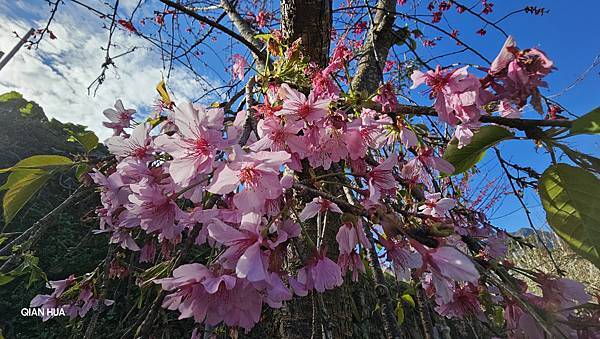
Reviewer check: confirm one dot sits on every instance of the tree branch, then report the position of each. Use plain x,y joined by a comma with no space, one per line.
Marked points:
251,46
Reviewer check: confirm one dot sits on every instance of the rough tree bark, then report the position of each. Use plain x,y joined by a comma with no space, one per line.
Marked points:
311,21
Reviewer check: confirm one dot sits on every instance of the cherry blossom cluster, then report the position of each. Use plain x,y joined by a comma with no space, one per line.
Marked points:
513,78
75,298
236,184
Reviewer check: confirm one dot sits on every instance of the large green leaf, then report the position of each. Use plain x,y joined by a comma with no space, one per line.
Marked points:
17,175
466,157
87,139
570,197
21,191
587,124
39,161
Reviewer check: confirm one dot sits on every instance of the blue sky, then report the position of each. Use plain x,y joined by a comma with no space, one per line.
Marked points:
57,75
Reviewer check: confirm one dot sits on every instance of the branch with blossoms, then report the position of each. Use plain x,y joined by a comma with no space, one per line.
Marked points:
313,138
228,210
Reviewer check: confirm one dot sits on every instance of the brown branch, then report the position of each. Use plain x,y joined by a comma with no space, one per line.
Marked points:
520,124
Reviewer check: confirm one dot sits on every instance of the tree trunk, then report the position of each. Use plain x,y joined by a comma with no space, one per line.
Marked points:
311,21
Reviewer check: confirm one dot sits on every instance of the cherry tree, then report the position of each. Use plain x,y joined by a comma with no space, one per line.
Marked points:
315,194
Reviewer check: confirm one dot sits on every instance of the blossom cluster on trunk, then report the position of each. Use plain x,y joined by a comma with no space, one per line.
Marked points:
188,176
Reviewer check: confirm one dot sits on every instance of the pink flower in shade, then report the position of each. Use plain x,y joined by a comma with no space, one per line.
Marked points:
136,146
193,148
123,239
326,145
211,297
239,66
350,235
318,205
351,262
561,293
276,291
320,274
436,206
447,265
277,137
156,211
148,252
386,97
52,300
298,107
243,251
258,173
119,118
452,264
381,178
416,169
464,303
402,257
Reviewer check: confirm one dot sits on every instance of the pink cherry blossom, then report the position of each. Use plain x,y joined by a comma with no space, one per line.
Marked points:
243,252
321,274
298,107
258,173
458,95
436,206
386,97
464,302
193,148
277,137
119,118
351,262
318,205
364,133
211,297
381,178
136,146
464,132
156,211
402,257
239,66
349,235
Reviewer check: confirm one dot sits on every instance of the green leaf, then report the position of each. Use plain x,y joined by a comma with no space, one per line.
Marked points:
87,139
399,313
80,171
40,162
570,197
6,278
587,124
21,191
407,298
464,158
18,175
